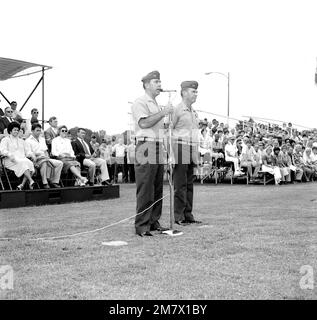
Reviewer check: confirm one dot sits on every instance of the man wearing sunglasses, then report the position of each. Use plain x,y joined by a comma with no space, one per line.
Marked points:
6,119
29,122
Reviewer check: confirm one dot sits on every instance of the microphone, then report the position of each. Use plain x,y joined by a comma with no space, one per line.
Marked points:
163,90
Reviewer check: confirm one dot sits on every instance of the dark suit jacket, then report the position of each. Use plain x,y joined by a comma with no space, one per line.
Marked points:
49,135
4,122
1,112
79,150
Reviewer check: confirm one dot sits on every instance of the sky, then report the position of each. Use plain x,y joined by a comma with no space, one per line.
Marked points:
100,50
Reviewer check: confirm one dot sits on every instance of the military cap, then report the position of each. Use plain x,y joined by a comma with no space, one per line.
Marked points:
150,76
189,84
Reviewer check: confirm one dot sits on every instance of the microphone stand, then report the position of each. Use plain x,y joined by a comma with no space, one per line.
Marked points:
171,232
170,165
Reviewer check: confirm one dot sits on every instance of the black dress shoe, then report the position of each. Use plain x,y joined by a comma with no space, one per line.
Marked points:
192,221
90,184
182,223
145,234
159,229
106,183
55,185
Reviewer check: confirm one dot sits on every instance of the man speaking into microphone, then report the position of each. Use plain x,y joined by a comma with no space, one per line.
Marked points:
149,168
185,147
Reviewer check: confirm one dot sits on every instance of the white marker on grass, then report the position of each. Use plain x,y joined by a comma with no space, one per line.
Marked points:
114,243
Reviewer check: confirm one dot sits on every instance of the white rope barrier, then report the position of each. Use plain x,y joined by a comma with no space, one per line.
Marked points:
85,232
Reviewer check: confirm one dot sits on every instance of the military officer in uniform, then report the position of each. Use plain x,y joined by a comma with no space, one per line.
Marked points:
185,148
149,168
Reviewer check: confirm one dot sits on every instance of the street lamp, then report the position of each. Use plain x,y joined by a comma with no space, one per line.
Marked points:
228,78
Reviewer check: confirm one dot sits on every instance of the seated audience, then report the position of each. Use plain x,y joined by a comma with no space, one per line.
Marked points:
217,151
51,132
270,165
248,160
94,143
16,155
16,114
285,164
88,157
50,169
62,150
32,120
231,155
309,164
204,142
299,162
5,120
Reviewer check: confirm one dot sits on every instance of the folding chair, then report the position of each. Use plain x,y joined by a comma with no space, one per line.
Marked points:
267,177
4,170
207,169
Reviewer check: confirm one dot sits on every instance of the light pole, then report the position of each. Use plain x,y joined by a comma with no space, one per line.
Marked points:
228,78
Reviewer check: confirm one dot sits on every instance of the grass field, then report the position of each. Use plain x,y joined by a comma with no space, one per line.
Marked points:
252,245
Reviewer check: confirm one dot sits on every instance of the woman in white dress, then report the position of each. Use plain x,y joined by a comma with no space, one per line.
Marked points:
269,165
15,152
62,149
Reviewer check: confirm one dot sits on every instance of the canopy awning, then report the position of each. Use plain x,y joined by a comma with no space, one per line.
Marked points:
10,68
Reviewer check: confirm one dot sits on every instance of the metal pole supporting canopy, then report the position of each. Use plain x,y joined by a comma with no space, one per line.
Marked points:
10,68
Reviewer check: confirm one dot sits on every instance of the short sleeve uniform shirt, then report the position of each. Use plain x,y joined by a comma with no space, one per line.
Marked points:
142,108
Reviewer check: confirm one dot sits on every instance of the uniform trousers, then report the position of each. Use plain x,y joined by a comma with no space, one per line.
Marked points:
149,170
183,175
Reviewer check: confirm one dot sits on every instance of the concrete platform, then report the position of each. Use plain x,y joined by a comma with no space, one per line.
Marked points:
14,199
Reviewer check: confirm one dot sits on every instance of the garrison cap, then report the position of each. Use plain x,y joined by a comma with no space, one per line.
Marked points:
189,84
150,76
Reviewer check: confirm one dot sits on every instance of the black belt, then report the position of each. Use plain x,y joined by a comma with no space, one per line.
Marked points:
190,143
145,139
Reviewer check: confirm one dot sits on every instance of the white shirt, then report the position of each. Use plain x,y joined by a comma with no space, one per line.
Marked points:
313,157
230,150
119,150
62,145
37,147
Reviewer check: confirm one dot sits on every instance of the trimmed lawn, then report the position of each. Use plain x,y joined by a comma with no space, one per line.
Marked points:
252,245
